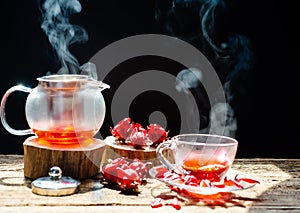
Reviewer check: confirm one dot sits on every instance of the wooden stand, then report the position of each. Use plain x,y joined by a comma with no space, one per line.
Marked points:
114,150
79,162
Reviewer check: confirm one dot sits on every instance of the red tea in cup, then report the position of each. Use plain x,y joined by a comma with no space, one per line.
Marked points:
210,169
204,156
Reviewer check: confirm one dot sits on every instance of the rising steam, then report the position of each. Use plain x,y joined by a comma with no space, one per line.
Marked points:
196,22
188,78
61,34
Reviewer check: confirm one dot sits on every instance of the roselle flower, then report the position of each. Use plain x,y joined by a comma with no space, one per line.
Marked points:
140,167
123,129
139,128
138,137
156,133
128,179
127,174
109,172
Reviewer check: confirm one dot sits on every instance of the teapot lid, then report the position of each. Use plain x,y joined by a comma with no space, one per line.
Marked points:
70,81
55,184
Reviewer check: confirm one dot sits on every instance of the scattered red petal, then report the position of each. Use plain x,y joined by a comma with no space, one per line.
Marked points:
218,199
176,204
232,183
156,203
248,180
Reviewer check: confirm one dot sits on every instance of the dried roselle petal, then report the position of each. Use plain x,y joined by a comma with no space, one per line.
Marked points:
140,167
138,138
160,172
128,175
190,180
122,130
128,179
120,161
172,177
176,204
205,183
218,185
109,172
233,183
156,203
248,180
156,133
139,128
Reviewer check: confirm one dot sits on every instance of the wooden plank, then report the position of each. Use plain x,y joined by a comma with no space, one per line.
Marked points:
144,209
120,209
278,191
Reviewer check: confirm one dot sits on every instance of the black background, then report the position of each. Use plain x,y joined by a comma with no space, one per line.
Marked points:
267,114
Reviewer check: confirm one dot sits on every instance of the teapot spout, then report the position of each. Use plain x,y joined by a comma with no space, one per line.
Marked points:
102,86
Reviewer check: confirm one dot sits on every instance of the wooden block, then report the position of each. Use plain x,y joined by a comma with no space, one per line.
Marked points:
78,161
114,150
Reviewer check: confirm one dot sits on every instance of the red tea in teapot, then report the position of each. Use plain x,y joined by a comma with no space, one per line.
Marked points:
64,135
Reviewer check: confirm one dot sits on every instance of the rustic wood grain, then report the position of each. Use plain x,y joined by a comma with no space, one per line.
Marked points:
80,161
278,191
115,150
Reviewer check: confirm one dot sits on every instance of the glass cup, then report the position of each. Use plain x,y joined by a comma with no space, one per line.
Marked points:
206,156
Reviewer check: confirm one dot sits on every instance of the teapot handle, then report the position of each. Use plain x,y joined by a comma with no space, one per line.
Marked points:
2,110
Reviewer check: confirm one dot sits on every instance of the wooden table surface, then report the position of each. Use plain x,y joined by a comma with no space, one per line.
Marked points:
278,191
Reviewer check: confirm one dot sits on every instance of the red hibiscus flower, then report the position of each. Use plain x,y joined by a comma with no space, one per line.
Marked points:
138,137
123,129
156,133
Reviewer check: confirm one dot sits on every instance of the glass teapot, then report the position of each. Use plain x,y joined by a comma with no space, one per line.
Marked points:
62,108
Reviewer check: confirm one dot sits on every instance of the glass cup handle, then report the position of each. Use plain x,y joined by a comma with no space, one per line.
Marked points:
2,110
167,145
